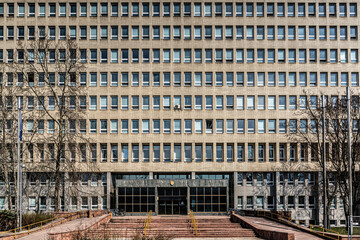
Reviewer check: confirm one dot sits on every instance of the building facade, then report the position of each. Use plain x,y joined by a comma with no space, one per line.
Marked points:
190,103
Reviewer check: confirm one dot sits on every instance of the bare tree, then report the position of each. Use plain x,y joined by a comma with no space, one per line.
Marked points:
8,138
309,134
11,96
50,70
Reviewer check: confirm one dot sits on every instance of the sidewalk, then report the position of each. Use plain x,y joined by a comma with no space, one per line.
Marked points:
73,225
271,225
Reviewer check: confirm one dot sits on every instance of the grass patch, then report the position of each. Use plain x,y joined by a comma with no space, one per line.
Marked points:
343,230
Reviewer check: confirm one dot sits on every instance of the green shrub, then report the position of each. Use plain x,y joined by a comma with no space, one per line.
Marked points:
34,218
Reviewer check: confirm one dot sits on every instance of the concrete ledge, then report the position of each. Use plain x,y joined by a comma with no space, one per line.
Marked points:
263,233
78,233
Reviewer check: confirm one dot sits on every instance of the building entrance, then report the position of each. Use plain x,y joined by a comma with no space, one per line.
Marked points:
172,201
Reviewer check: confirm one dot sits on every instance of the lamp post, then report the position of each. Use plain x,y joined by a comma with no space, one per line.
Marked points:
350,163
19,175
324,162
19,167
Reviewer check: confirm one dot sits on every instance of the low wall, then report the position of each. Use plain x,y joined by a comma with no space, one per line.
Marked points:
82,214
254,212
326,235
266,234
69,217
78,233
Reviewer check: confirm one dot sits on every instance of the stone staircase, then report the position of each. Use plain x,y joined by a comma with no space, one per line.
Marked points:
171,226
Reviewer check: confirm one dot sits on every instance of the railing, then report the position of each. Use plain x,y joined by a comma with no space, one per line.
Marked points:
147,223
193,221
287,220
37,225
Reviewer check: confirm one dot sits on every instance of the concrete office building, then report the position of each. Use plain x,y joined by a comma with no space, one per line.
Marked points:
189,101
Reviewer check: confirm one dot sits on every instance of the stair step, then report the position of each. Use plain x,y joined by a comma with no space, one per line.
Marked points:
216,227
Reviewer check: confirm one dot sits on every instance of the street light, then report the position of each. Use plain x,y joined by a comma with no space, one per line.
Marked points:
350,162
324,163
19,168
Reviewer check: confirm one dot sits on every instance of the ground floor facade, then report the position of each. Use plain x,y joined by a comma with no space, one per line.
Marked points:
178,193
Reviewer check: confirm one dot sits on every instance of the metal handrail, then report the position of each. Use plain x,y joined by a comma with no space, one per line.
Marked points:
147,223
16,230
193,221
291,221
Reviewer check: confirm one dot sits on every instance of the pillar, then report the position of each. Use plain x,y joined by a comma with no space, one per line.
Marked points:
188,198
277,190
156,201
108,189
66,196
236,190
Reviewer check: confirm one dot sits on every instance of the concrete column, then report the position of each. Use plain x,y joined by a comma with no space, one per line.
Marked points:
277,190
298,151
151,175
287,149
266,152
227,197
236,190
193,175
192,152
161,152
156,201
172,147
188,198
246,152
213,151
140,151
151,150
66,192
108,189
25,190
116,198
319,200
130,152
277,152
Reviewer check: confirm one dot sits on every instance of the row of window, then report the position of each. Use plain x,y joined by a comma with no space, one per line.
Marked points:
188,55
185,9
178,102
292,202
267,179
188,79
174,152
43,203
187,126
186,32
299,202
243,179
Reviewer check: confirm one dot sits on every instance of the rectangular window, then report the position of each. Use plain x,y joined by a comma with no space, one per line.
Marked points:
342,10
261,126
280,10
240,126
353,9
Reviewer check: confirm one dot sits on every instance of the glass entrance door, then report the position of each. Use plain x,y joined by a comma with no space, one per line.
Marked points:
172,201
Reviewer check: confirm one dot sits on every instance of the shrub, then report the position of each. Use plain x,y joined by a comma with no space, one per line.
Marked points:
7,220
34,218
